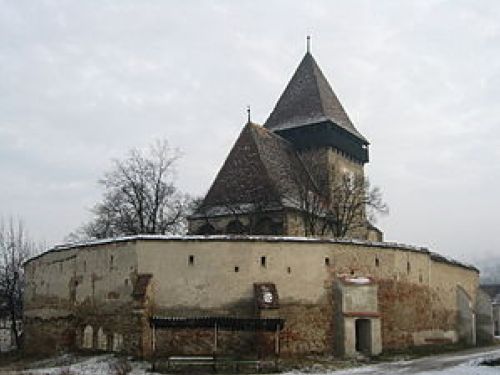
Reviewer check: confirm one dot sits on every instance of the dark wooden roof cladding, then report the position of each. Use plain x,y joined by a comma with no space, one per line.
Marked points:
223,323
309,99
326,134
261,167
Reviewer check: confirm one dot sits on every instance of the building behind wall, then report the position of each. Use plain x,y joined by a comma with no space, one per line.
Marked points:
277,172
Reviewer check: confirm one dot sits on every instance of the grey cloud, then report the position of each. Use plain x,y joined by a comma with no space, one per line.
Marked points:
83,81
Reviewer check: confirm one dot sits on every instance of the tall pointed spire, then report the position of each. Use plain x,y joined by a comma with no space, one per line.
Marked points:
309,99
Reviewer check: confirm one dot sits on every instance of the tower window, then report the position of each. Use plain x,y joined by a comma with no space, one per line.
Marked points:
377,262
111,261
408,267
288,270
263,261
236,269
191,260
327,261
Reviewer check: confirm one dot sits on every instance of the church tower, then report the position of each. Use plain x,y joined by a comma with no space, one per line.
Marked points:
307,142
309,115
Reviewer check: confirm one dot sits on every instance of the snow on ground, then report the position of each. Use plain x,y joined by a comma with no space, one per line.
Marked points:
96,365
462,363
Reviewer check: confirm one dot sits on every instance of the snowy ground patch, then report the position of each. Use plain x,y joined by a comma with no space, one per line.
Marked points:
461,363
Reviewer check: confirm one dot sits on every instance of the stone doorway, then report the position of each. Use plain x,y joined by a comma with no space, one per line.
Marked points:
363,336
358,323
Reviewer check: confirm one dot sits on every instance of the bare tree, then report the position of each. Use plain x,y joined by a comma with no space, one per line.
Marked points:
334,202
352,204
15,248
140,196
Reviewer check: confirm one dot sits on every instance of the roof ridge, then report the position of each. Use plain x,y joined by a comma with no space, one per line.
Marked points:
334,99
273,134
266,167
316,69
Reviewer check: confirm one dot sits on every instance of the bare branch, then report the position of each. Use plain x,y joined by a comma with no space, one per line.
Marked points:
15,248
140,196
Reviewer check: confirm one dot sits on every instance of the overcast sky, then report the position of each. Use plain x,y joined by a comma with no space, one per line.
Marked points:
81,82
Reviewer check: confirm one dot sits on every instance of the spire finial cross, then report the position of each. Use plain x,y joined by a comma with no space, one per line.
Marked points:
248,113
308,44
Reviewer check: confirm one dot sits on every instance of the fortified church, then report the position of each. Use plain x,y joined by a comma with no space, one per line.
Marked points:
250,279
307,142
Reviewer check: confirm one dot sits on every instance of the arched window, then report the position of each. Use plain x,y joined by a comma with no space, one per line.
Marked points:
117,342
267,227
102,340
206,229
88,337
235,227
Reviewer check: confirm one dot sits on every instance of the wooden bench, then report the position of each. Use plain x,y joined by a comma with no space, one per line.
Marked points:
216,362
191,360
236,363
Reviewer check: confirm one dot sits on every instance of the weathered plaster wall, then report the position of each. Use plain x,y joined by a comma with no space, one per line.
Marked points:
103,286
70,289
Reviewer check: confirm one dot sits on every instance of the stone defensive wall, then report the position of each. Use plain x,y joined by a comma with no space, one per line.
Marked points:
101,295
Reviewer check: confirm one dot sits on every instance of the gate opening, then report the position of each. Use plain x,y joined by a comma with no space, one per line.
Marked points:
363,336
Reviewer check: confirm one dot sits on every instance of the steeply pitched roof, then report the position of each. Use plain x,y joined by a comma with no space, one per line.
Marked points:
262,167
307,99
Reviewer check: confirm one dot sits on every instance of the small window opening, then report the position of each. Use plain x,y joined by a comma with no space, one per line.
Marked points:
236,269
263,261
377,262
111,261
191,260
288,270
327,261
352,272
408,267
84,266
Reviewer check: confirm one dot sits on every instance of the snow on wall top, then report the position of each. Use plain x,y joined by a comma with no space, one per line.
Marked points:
255,238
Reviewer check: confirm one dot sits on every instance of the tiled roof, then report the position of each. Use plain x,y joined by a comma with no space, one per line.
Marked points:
308,99
262,167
